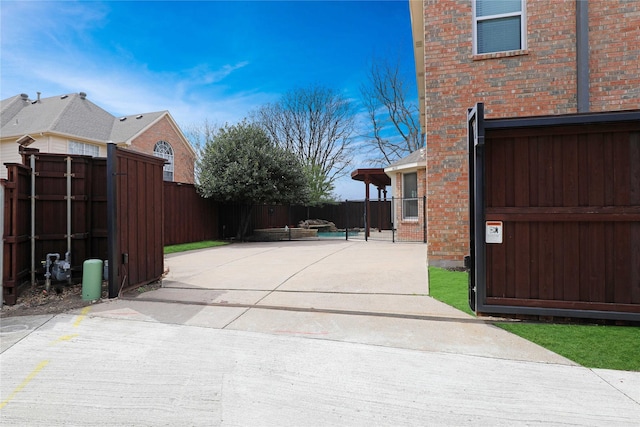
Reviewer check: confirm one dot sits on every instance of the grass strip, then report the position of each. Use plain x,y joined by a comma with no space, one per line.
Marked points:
450,287
193,246
592,346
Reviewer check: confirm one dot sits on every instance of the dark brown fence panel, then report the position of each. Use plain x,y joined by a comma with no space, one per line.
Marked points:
16,250
188,217
348,214
52,213
336,213
139,219
88,229
262,216
270,216
569,200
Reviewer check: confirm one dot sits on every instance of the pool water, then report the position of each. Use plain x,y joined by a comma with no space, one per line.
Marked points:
335,234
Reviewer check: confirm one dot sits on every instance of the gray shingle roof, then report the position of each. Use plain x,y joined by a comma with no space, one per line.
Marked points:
123,130
415,157
71,115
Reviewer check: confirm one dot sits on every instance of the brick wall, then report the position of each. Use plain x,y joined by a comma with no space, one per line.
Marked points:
183,158
539,80
413,229
614,57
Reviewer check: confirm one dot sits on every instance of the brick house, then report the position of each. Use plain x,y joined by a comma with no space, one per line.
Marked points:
73,124
408,180
520,58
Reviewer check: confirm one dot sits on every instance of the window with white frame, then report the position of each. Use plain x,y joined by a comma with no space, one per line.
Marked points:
410,196
76,147
499,26
163,149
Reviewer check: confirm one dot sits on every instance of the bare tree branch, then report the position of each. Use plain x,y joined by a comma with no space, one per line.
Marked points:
316,124
395,125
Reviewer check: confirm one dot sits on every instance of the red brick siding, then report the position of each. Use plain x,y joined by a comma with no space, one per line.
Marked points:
614,57
410,230
540,80
183,158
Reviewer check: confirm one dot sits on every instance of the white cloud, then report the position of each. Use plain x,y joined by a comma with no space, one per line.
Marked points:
47,47
204,75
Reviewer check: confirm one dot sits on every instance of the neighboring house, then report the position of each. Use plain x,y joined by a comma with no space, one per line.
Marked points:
520,58
408,179
72,124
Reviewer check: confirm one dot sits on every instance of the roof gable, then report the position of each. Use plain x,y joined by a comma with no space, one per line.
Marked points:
75,115
416,159
128,127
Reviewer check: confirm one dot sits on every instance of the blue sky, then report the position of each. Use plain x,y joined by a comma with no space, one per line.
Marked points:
201,60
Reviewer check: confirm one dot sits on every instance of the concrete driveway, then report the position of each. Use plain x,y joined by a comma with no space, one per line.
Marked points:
295,333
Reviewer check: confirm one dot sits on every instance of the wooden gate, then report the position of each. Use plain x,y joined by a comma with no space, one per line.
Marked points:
555,215
134,218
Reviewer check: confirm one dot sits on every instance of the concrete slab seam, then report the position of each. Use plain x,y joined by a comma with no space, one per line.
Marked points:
34,329
290,291
631,398
321,310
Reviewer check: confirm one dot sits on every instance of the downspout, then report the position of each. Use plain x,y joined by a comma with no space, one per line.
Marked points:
582,55
32,163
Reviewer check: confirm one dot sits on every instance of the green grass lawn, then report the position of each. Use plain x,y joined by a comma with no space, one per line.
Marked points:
450,287
592,346
191,246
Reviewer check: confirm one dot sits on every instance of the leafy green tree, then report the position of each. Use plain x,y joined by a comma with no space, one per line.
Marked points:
320,187
240,164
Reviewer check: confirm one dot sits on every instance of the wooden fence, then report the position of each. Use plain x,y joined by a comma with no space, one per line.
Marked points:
348,214
564,195
67,198
134,219
126,199
187,216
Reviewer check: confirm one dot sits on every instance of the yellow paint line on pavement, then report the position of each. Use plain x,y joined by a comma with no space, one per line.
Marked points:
81,316
24,383
65,338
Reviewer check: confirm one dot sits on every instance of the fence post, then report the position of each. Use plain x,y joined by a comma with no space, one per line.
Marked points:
32,196
112,221
366,217
346,215
289,221
393,219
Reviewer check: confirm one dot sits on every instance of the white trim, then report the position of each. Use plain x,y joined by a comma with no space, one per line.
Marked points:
409,199
164,153
406,166
523,26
